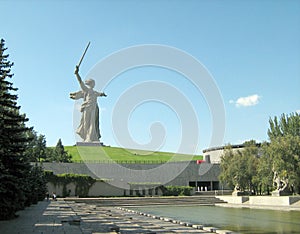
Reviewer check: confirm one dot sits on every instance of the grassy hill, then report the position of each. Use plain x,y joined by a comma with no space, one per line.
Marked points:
80,153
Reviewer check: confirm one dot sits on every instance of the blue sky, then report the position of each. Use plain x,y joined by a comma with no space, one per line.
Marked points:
251,49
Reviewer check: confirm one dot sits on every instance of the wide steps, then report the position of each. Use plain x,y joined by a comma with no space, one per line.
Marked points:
155,201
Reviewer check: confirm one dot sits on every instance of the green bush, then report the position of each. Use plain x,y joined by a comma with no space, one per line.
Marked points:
177,191
82,182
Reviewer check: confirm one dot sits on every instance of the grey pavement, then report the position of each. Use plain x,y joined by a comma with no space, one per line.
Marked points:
69,217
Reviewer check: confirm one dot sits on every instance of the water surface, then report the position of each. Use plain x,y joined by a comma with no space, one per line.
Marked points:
242,220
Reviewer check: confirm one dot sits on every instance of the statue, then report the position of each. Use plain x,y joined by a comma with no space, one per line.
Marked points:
237,189
88,129
281,185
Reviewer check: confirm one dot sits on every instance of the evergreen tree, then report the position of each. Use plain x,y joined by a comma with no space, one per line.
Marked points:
37,185
14,164
60,155
36,149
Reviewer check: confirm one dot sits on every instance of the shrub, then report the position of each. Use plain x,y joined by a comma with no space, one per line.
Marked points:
82,182
177,191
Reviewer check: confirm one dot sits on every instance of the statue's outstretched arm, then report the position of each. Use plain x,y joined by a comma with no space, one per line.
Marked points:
83,87
103,95
100,94
76,72
76,95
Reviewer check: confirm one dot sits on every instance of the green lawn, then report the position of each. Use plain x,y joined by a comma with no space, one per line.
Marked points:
116,154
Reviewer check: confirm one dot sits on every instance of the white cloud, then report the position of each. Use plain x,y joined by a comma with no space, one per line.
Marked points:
298,111
251,100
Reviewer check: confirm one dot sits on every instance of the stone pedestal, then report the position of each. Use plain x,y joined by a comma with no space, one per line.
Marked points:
237,193
278,193
95,143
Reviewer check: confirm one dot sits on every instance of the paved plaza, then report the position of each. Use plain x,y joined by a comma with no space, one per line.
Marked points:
69,217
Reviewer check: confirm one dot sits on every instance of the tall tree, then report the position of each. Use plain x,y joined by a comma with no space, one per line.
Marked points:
14,165
284,154
238,168
284,151
60,155
264,171
36,149
285,125
227,174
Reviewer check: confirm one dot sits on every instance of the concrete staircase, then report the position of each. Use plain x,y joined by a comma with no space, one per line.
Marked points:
149,201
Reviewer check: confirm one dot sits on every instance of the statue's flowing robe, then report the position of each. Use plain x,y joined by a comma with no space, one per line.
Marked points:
88,128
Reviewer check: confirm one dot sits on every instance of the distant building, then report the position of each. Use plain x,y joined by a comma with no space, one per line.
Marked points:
214,154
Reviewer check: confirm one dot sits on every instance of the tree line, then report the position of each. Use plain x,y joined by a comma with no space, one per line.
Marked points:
38,151
272,165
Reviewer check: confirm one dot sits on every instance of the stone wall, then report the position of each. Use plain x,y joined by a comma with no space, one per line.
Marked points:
103,189
99,188
193,171
234,199
136,185
271,201
261,200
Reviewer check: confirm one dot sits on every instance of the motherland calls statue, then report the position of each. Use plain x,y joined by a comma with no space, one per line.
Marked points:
88,129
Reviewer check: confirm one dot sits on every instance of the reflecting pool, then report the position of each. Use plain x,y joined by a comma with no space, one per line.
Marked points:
241,220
